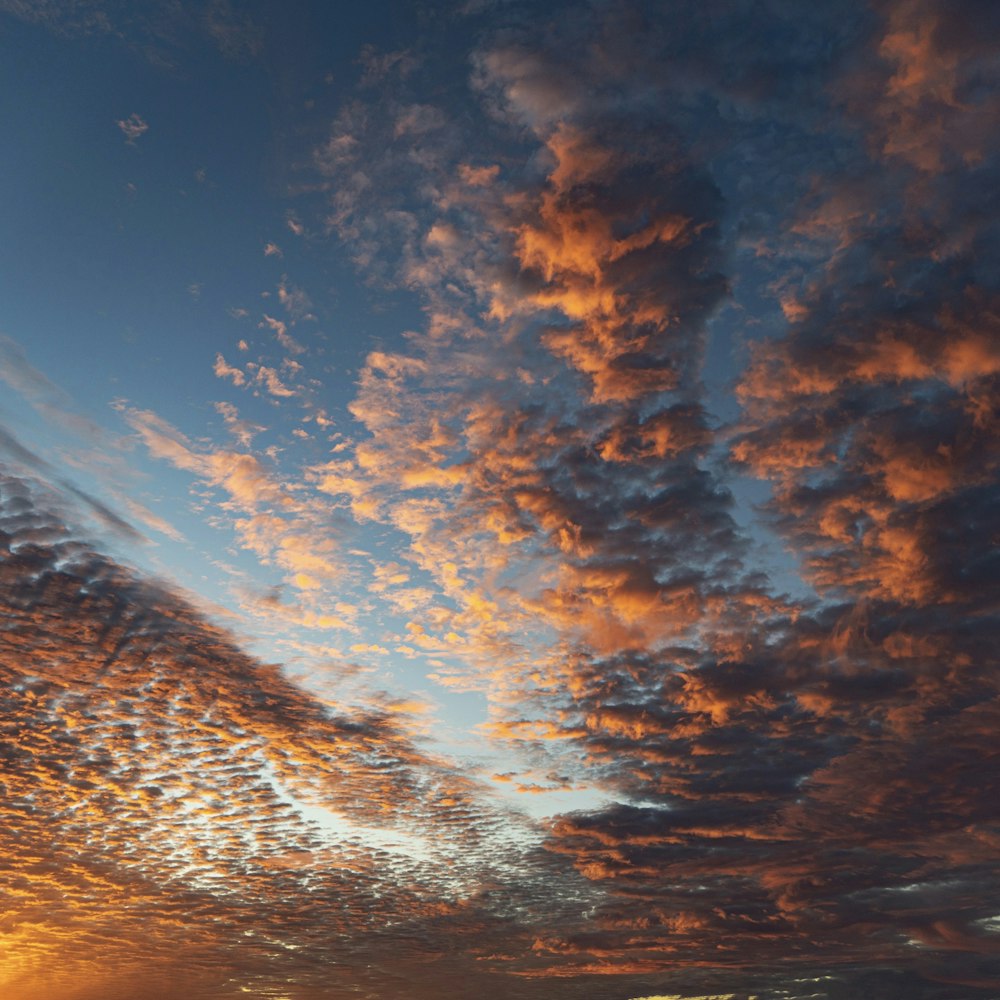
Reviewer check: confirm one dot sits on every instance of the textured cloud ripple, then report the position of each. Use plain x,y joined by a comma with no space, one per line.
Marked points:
180,819
687,470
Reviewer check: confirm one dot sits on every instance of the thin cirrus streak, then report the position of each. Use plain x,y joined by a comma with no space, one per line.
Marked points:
797,784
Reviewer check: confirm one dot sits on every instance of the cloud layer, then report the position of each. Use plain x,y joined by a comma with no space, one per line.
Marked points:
179,818
665,265
800,780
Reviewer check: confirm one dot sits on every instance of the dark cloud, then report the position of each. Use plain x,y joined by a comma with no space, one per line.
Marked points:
35,463
803,784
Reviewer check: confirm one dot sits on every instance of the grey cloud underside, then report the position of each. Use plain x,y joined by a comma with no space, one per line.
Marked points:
146,848
804,783
35,463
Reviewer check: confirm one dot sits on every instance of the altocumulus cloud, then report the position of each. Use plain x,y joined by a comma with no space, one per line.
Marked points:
801,789
799,780
180,820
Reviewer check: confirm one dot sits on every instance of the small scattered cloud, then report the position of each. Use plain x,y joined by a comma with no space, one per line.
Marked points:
236,34
281,334
295,300
225,370
133,128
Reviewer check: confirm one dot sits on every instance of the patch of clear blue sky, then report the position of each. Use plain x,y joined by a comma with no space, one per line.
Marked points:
104,240
747,316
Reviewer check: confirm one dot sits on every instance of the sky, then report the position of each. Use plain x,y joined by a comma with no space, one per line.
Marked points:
499,499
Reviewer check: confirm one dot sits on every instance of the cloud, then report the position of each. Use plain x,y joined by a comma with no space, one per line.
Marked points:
35,464
547,447
238,37
284,528
250,817
740,241
161,37
271,381
225,370
132,128
295,301
287,341
48,399
242,430
151,519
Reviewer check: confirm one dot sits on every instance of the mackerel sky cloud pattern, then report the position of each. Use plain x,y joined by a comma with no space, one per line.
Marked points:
554,554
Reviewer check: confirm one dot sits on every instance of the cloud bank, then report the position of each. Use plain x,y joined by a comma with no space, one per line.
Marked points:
667,261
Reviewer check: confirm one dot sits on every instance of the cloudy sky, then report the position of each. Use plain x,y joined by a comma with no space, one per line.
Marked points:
499,499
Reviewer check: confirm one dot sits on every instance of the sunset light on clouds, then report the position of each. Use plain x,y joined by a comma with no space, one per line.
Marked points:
500,500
